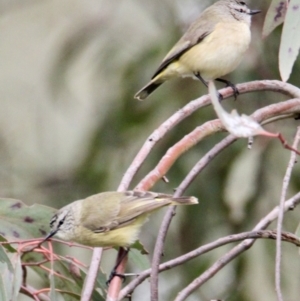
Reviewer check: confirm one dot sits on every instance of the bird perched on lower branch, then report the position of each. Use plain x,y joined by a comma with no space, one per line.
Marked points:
110,219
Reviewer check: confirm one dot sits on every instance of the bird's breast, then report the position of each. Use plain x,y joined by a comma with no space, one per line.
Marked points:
219,53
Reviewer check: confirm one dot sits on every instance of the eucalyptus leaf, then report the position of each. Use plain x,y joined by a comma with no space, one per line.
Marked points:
141,261
290,40
19,221
17,282
5,282
275,16
52,294
5,259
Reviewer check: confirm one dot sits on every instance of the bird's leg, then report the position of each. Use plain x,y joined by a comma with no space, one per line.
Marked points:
197,74
231,85
114,270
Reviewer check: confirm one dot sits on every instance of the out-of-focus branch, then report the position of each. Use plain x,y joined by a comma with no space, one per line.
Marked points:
32,293
234,252
285,185
91,275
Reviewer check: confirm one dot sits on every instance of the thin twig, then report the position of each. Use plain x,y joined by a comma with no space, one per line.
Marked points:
32,293
158,251
285,185
91,275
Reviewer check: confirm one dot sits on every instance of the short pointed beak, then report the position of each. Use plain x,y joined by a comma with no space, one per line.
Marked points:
52,233
254,12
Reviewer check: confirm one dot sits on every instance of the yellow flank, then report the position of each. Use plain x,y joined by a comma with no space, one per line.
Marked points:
120,237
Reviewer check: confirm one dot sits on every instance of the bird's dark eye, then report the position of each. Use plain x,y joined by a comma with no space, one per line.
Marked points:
61,222
242,3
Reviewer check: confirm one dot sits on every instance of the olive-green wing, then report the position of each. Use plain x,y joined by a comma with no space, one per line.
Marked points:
111,210
137,203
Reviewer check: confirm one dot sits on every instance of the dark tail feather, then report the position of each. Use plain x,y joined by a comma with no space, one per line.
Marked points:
147,90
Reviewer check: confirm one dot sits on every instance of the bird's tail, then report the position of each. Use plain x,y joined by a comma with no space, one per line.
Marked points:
184,200
147,90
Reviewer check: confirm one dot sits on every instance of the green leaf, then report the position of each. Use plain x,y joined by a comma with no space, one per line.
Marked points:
5,282
139,260
52,294
275,16
17,281
19,221
5,259
139,246
8,247
102,286
290,40
11,274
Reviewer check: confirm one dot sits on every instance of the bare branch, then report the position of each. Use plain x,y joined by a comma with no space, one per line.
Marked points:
158,251
91,275
234,252
32,293
285,185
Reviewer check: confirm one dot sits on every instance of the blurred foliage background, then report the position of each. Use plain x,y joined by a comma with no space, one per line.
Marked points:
69,128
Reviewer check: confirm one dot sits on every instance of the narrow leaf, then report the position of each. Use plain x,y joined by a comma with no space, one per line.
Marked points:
17,282
290,40
5,282
140,261
5,259
275,16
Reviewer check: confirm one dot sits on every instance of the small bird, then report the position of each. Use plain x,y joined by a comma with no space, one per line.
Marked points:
110,219
212,47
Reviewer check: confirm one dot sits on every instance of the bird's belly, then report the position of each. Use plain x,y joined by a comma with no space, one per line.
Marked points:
218,54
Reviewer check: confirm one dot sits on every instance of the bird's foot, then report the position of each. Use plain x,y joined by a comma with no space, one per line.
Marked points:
231,85
114,274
